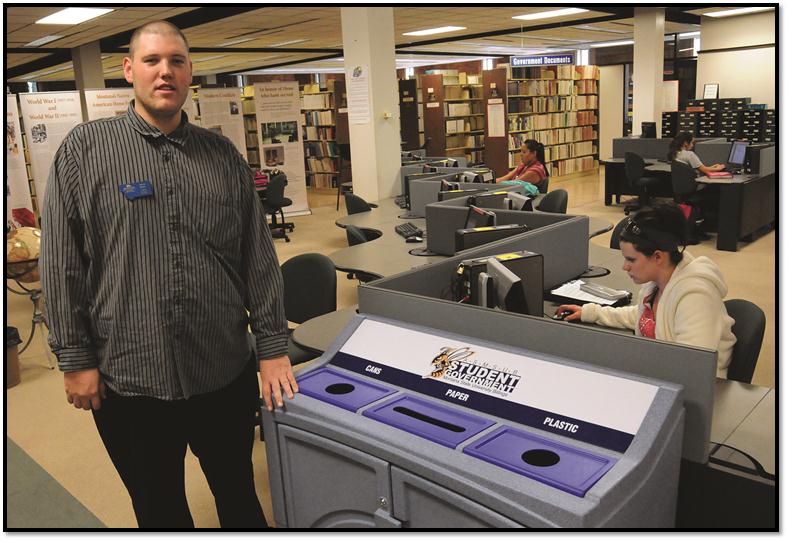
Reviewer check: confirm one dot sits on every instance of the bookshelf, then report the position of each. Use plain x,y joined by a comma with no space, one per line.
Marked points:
555,105
453,113
319,132
250,126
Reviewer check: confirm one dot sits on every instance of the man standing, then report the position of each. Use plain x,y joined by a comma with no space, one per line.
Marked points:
155,258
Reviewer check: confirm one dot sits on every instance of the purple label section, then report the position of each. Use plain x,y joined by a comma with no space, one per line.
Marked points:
340,389
560,466
437,423
577,429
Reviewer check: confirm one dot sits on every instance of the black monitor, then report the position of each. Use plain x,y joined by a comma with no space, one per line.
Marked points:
479,218
507,287
513,282
471,238
448,162
414,176
456,194
738,152
490,200
648,130
447,186
519,202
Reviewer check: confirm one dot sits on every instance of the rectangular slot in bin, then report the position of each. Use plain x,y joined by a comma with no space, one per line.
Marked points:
560,466
341,390
440,424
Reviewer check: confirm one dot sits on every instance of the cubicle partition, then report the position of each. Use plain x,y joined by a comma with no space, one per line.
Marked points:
418,296
425,191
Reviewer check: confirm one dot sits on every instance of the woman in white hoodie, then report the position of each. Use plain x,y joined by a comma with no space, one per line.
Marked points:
682,296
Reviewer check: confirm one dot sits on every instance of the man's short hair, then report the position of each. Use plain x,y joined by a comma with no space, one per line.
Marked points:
156,27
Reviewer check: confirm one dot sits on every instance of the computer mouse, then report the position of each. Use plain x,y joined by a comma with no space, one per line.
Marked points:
414,238
561,315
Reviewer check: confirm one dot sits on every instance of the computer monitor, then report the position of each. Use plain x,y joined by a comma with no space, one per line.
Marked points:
519,202
447,186
738,153
414,176
479,218
648,130
448,162
455,194
508,288
490,200
477,175
465,239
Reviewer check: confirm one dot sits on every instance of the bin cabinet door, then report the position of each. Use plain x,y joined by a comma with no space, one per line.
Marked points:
419,503
331,485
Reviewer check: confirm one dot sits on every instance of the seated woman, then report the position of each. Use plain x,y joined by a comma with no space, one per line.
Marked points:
681,297
531,169
681,150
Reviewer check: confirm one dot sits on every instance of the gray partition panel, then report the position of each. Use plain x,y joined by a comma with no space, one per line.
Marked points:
714,151
408,170
694,368
656,149
425,191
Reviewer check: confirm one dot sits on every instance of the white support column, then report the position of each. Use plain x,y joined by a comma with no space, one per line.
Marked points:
88,70
647,67
368,41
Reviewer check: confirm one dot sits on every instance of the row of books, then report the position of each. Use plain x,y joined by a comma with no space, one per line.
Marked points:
563,152
562,167
250,123
253,156
247,106
462,92
470,123
462,109
251,140
553,137
464,141
586,86
321,165
316,118
316,101
313,132
540,88
321,149
552,120
567,71
552,104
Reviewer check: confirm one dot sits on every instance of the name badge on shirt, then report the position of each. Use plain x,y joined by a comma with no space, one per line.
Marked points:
136,190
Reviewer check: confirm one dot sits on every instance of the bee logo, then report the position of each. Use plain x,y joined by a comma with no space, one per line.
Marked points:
442,361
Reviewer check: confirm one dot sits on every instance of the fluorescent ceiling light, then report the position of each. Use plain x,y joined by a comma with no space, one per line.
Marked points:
74,15
235,42
738,11
689,34
42,41
600,29
291,42
612,43
689,49
50,72
549,14
430,31
208,58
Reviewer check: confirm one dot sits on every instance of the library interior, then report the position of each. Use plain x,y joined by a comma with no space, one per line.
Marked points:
486,267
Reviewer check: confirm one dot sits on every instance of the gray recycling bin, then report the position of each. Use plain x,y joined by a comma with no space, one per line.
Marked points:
475,439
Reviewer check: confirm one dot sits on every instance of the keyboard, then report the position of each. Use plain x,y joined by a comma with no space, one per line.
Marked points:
407,230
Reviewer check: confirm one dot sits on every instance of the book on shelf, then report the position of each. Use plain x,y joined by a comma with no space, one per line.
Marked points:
321,149
550,104
317,118
316,101
553,137
250,124
462,93
552,120
253,156
313,133
248,108
251,140
464,141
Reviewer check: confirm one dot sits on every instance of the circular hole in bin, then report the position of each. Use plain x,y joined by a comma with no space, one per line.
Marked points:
340,388
541,457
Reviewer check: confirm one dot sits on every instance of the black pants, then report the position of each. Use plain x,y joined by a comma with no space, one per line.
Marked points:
146,439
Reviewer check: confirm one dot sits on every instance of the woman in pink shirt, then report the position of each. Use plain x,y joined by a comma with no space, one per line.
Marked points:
532,168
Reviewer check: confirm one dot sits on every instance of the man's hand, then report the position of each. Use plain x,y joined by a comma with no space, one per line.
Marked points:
85,389
275,375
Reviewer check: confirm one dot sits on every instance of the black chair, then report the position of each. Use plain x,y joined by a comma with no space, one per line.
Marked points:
555,201
273,203
750,323
355,204
615,236
635,168
544,185
355,236
685,191
310,290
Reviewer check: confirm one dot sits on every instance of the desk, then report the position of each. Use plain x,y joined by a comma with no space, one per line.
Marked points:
616,183
747,204
390,254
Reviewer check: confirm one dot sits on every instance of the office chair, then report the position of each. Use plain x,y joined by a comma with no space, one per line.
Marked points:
556,201
355,236
750,322
310,290
544,185
615,236
273,203
345,172
355,204
635,167
685,191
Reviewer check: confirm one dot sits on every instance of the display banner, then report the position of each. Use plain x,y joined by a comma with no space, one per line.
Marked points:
220,111
278,110
543,60
107,102
190,107
599,409
48,117
19,204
